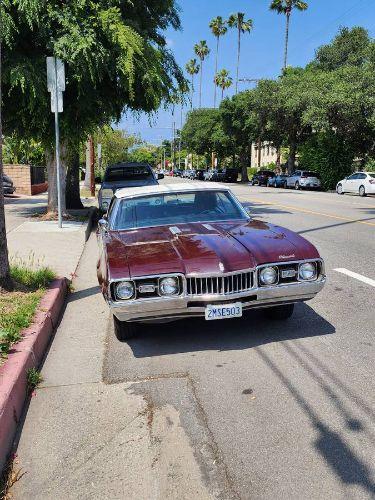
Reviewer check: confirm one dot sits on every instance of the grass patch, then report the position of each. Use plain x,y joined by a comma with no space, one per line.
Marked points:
32,279
34,378
17,308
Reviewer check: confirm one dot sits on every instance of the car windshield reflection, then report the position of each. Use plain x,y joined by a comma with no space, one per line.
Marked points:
177,208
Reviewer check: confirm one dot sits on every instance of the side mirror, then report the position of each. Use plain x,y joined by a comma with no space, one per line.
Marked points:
160,176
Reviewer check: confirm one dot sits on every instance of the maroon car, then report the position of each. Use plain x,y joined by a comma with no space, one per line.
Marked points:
169,252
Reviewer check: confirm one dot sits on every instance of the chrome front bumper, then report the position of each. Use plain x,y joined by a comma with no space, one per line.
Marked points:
173,308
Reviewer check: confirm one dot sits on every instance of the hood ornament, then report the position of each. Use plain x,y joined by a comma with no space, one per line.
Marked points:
221,267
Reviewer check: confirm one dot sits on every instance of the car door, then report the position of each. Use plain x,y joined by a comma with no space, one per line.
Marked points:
293,178
360,181
350,183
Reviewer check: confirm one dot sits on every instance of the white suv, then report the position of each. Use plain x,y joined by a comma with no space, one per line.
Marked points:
301,179
362,183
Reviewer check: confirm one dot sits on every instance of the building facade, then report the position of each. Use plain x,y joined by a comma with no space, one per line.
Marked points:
268,154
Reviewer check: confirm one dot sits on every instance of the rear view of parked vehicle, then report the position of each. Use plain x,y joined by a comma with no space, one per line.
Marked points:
303,179
362,183
8,185
261,177
230,175
278,181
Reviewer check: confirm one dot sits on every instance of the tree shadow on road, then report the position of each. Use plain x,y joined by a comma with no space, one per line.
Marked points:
330,444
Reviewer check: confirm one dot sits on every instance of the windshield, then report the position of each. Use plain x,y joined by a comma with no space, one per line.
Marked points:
177,208
128,174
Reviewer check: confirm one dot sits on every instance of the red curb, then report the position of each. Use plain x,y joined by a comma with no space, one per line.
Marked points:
27,353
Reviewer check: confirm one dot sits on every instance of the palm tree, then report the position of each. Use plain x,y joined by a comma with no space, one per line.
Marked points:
202,52
193,69
218,28
238,21
223,80
286,7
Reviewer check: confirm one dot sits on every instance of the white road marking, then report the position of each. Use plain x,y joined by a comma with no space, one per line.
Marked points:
359,277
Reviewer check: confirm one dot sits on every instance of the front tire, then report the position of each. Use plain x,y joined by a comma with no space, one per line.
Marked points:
279,313
124,330
297,186
362,191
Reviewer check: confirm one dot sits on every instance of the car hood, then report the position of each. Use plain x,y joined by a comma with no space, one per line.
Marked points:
202,248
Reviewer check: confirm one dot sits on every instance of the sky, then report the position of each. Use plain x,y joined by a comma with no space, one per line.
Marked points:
262,49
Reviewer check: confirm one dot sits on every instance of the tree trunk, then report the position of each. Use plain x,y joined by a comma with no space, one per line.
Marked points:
52,180
192,91
286,40
200,85
278,159
244,165
238,57
216,59
5,279
292,157
259,152
72,195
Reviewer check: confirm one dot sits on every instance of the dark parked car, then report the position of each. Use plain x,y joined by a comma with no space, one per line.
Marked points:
199,175
123,175
230,174
261,177
277,181
177,173
8,185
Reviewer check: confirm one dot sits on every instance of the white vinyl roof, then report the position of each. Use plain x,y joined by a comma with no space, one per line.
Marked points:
169,188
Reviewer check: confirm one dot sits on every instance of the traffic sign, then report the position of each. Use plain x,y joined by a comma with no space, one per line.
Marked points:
53,72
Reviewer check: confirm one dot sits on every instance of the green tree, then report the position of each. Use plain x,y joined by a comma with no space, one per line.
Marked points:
193,69
203,134
147,153
202,51
223,80
218,29
238,22
286,7
25,12
116,60
116,144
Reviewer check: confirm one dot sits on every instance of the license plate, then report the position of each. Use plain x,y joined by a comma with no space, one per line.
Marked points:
223,311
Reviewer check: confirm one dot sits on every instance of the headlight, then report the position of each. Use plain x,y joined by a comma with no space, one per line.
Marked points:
169,286
106,193
125,290
307,271
268,275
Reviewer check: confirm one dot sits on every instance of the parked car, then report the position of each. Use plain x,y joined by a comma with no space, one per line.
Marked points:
302,179
362,183
173,252
125,175
208,174
230,174
199,175
177,173
217,175
8,185
278,180
261,177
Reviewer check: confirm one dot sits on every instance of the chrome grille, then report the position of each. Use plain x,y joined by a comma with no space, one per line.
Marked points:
220,285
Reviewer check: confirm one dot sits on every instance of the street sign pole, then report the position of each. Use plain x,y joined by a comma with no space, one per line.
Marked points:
56,86
57,138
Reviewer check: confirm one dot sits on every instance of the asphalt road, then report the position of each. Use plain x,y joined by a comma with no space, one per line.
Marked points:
266,410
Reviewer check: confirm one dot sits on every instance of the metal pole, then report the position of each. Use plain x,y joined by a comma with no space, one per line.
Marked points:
57,137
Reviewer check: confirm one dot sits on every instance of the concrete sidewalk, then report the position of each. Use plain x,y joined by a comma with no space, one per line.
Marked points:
37,243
